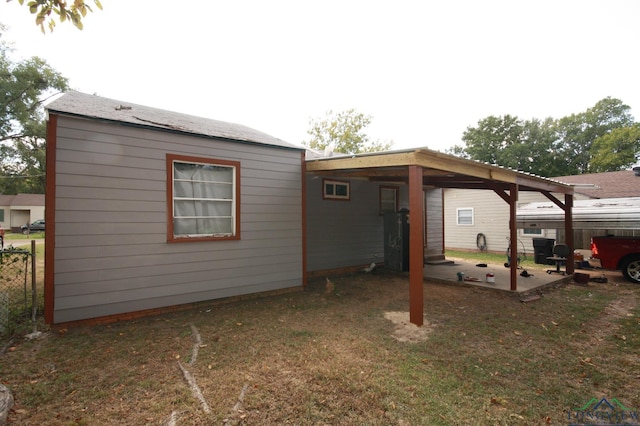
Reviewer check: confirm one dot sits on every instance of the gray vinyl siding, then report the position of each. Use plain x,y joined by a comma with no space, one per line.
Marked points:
351,233
111,251
434,246
344,233
491,218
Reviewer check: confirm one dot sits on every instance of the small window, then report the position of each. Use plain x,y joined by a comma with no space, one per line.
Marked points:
203,197
335,190
532,231
464,216
388,199
1,215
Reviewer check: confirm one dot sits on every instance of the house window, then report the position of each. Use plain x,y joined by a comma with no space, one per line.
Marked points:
464,216
388,199
204,198
532,231
335,190
1,215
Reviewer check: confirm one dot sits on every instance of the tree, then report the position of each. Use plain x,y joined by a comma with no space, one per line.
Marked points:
344,132
513,143
616,150
489,141
579,143
577,132
72,13
25,86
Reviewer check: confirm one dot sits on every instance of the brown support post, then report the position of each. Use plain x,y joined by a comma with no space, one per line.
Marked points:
513,236
568,231
416,246
50,219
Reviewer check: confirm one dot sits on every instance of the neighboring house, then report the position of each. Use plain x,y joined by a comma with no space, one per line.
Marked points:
18,210
479,220
147,210
470,213
622,184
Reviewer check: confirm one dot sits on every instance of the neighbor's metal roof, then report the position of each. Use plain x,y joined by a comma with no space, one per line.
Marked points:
605,213
96,107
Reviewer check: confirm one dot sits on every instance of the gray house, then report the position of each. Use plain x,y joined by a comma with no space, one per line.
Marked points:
149,210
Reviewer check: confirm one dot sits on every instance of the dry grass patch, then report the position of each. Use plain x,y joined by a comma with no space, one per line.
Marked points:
310,358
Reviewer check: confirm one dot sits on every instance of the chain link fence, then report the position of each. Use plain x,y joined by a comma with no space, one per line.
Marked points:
18,295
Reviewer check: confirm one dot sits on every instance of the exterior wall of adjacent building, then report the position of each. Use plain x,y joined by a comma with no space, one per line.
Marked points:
490,224
21,215
14,214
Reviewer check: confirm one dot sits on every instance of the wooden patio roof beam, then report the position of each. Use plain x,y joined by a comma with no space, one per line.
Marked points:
432,163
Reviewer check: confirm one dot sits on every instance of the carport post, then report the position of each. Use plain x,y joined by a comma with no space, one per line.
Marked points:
568,232
416,246
513,236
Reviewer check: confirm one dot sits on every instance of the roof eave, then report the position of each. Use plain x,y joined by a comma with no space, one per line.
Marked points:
436,161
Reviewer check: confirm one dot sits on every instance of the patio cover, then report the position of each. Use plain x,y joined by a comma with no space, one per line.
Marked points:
422,167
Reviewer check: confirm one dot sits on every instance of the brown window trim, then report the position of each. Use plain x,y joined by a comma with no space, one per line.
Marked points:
170,158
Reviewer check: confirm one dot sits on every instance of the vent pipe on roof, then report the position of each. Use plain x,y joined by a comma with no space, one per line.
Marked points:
328,150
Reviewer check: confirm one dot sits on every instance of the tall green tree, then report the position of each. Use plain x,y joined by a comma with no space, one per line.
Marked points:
511,142
616,150
591,141
577,132
344,132
25,86
493,136
66,11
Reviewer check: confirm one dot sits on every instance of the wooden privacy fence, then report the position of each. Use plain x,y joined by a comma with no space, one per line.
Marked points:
18,295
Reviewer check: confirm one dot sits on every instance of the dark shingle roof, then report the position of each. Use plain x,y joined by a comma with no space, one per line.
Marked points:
28,200
606,185
5,200
22,200
91,106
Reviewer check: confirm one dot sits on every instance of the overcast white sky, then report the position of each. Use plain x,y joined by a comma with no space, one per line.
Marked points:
424,70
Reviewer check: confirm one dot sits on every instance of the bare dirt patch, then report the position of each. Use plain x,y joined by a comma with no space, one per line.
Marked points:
405,331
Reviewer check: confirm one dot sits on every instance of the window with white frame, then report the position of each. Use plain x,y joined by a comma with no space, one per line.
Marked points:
464,216
204,198
335,190
532,231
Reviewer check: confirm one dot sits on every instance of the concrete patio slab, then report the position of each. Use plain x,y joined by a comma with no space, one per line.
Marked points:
536,278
